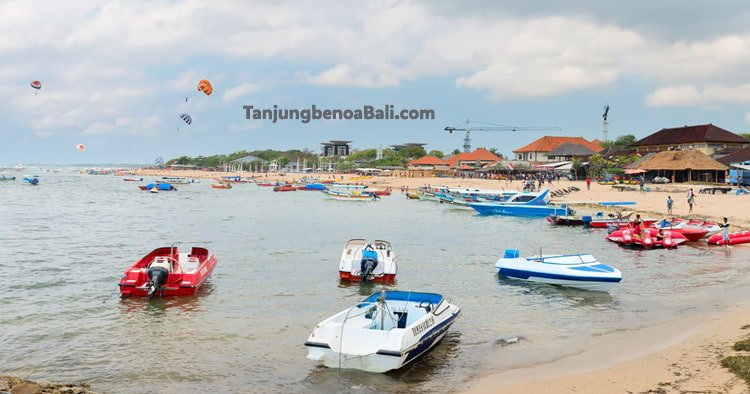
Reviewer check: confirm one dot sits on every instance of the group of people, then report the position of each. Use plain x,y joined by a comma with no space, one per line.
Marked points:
690,201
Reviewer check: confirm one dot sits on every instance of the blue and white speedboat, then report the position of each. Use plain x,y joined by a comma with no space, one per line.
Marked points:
384,332
581,271
521,204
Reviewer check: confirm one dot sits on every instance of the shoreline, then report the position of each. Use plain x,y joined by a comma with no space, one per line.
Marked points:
675,356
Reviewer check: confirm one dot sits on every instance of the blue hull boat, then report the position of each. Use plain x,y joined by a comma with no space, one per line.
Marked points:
521,205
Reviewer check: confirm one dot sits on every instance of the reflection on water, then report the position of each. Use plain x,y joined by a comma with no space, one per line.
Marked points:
277,277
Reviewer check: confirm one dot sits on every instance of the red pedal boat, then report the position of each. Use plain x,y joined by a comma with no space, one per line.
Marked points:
168,271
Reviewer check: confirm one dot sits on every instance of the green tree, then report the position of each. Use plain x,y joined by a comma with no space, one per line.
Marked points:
746,135
411,153
437,153
456,151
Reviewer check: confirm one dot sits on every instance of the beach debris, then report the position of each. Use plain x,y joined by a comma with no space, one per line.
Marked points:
186,118
205,87
510,340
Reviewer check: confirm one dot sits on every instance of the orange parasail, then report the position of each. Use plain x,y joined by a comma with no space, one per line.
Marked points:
205,87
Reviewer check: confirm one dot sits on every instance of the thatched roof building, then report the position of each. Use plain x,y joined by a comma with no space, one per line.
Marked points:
683,166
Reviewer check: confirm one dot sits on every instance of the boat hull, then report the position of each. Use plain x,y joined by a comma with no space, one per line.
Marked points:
740,237
517,210
361,337
388,278
579,271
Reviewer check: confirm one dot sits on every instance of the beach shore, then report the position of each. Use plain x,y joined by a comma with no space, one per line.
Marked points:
679,356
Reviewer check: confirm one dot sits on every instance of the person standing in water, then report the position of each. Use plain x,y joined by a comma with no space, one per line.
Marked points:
725,227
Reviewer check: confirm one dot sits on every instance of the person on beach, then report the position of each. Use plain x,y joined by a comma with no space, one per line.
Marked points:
690,200
588,183
641,184
725,227
670,203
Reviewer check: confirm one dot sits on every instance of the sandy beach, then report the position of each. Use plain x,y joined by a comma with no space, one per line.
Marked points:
679,356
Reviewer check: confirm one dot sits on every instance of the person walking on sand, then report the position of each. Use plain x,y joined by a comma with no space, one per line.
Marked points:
641,184
670,202
690,200
588,183
725,227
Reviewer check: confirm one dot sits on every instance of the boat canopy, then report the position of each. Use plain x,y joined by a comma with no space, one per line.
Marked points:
160,186
406,296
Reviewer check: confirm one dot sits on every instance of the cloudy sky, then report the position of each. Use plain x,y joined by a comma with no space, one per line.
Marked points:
115,74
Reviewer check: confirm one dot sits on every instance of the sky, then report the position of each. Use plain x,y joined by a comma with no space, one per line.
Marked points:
116,74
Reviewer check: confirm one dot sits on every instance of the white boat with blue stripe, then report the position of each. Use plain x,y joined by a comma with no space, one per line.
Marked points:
581,271
384,332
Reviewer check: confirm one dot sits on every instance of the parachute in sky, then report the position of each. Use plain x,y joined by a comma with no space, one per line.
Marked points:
159,161
36,85
81,147
205,87
186,118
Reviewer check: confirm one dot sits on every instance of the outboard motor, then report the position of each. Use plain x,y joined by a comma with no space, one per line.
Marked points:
368,263
157,278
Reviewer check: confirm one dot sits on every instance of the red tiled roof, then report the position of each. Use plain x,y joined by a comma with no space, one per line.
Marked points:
548,143
427,161
480,154
690,134
465,167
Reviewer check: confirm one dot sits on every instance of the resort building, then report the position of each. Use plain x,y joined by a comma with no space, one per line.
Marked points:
568,151
681,166
707,138
477,159
397,148
336,148
427,163
539,150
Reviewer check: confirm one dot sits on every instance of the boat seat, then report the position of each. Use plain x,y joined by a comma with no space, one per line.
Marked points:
187,263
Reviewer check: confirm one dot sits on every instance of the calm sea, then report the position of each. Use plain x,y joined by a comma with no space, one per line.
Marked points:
65,243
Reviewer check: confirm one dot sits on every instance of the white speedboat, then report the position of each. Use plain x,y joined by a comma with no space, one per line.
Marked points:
384,332
363,261
581,271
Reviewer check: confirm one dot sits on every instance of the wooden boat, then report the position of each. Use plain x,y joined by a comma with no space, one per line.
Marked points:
363,261
386,331
132,179
221,186
381,192
167,271
285,188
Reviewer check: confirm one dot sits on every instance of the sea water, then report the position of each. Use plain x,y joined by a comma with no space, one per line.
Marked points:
65,243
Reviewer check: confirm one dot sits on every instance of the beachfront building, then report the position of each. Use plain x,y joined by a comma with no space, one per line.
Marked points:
706,138
681,166
398,147
427,163
336,148
477,159
568,152
539,150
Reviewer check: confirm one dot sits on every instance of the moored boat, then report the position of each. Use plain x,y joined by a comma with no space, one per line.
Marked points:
4,177
132,179
285,188
221,185
363,261
158,187
581,271
386,331
521,204
167,271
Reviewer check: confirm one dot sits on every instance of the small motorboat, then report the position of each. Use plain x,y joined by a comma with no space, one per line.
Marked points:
221,185
384,332
158,186
581,271
168,271
739,237
381,192
647,239
363,261
132,179
312,186
4,177
285,188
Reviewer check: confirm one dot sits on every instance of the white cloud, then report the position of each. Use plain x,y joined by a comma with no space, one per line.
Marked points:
690,95
241,90
344,75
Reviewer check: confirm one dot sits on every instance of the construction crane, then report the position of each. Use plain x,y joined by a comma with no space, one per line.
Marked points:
468,130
